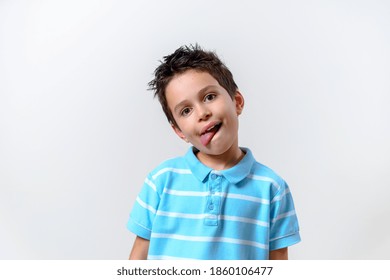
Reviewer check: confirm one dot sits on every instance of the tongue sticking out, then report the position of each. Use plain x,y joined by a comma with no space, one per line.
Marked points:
206,137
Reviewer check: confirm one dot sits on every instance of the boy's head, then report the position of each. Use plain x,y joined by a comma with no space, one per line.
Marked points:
189,58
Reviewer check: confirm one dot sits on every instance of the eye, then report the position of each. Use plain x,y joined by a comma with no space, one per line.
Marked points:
185,112
210,97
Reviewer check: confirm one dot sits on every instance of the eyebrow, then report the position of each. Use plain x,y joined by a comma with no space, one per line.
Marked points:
200,92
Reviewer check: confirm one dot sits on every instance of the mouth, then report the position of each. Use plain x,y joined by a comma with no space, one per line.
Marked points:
209,133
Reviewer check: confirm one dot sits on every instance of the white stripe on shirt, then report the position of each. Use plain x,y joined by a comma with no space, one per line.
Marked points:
186,193
280,197
150,184
170,169
245,220
284,215
265,179
203,216
246,197
146,206
180,215
222,194
210,239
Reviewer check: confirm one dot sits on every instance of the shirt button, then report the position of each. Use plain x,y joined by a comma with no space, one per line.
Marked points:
213,176
211,206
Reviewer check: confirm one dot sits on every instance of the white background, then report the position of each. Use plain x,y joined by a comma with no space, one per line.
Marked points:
79,131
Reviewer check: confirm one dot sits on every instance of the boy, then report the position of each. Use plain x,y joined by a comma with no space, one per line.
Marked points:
216,202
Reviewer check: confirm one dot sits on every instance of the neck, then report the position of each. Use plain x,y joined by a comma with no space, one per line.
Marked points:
223,161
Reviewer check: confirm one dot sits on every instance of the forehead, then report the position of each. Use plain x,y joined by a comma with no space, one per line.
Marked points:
188,84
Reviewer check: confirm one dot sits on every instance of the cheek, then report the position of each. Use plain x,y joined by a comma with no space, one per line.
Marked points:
232,117
185,128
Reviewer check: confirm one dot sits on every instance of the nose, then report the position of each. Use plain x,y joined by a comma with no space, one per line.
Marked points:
204,113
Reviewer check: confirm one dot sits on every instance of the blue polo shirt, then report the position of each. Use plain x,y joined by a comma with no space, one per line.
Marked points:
190,211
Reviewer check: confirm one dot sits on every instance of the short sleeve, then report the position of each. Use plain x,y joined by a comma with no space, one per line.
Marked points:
284,228
144,210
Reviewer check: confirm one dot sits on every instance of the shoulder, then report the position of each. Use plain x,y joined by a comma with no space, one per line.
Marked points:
262,172
167,173
177,165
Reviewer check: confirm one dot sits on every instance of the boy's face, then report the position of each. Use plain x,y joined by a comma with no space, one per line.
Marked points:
205,114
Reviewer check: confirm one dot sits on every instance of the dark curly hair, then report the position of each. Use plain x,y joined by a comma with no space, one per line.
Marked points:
186,58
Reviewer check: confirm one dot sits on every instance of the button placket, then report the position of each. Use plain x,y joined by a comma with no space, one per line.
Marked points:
214,201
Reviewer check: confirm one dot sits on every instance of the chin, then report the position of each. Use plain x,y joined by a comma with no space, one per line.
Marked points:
216,151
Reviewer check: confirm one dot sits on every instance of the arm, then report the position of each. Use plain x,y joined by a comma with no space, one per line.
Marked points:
280,254
140,249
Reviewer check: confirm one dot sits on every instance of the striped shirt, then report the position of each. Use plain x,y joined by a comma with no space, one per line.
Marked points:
190,211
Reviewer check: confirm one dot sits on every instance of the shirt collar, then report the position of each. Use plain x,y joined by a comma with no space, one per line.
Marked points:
234,174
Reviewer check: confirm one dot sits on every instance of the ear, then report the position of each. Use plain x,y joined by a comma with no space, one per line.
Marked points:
239,100
179,132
